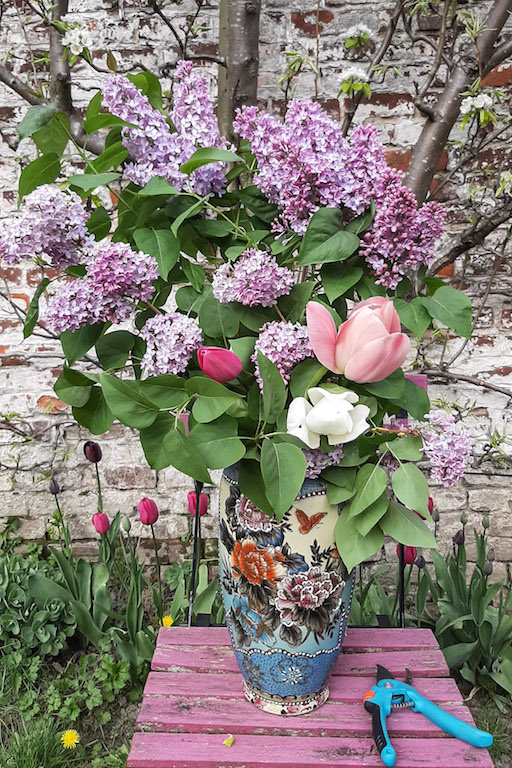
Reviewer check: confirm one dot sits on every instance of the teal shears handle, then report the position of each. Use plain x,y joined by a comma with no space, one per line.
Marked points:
380,733
449,723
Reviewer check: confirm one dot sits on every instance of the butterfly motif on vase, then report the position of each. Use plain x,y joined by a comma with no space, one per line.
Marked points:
307,523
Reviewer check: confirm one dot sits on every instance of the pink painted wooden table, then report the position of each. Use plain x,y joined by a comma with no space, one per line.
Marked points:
193,699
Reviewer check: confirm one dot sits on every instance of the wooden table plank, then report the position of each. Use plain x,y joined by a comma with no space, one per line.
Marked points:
179,750
209,715
358,640
442,690
423,663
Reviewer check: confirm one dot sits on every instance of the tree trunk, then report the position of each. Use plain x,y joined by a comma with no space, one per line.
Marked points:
239,22
427,151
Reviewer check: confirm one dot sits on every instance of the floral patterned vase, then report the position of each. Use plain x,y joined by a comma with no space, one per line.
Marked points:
287,596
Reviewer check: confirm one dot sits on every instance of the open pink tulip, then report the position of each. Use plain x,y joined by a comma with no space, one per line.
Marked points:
219,364
101,522
366,348
148,511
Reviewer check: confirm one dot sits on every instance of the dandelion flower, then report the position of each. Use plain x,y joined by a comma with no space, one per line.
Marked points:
167,621
70,739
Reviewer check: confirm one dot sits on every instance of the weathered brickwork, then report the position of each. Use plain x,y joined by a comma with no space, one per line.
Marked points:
43,435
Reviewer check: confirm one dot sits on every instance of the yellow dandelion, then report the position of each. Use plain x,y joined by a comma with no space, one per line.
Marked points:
167,621
70,739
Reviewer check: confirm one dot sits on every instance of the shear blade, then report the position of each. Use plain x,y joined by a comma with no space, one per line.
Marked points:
383,674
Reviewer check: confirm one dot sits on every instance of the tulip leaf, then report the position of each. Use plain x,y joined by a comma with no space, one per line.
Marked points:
165,443
371,482
371,515
413,315
218,442
95,414
392,386
406,527
274,390
305,375
415,400
213,399
353,547
127,403
283,467
409,448
452,308
410,487
250,482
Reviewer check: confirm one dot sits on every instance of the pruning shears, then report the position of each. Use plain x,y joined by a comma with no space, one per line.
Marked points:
391,694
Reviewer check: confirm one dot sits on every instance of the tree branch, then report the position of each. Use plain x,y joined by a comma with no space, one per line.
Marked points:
169,24
437,373
9,79
502,52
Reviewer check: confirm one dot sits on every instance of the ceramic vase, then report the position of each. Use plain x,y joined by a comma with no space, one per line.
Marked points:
287,596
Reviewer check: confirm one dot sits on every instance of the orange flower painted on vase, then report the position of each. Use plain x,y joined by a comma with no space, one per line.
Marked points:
256,564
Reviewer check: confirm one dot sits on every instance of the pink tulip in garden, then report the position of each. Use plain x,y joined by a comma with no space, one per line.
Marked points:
148,511
101,522
219,364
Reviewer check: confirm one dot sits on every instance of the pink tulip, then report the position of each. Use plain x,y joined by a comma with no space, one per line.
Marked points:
367,347
148,511
192,503
410,554
419,379
101,522
219,364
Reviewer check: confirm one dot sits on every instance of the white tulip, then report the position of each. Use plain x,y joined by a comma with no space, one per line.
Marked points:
335,414
296,422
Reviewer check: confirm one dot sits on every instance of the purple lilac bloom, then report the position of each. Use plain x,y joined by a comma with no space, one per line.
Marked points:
51,226
254,279
317,460
284,344
401,236
448,447
116,279
171,341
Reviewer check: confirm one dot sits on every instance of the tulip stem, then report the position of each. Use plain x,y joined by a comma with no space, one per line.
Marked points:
198,487
159,608
100,499
401,586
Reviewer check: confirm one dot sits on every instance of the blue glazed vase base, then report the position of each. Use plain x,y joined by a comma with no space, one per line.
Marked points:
290,705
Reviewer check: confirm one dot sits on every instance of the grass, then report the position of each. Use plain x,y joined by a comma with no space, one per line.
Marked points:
35,745
488,717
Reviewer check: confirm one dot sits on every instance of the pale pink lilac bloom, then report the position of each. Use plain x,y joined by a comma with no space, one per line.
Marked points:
171,341
317,460
284,344
254,279
51,226
447,445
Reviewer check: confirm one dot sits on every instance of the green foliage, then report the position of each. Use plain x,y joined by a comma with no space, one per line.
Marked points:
207,597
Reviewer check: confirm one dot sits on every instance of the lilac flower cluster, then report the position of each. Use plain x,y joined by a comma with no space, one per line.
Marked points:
171,341
116,278
254,279
306,163
317,460
284,344
51,226
447,446
402,236
154,149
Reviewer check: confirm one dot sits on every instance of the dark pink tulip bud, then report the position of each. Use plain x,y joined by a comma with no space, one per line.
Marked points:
92,451
219,364
148,511
192,503
101,522
54,487
183,417
459,538
430,505
410,554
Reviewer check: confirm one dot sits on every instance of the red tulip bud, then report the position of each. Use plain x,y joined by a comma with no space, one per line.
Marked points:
430,505
92,451
148,511
183,417
101,522
192,503
219,364
410,554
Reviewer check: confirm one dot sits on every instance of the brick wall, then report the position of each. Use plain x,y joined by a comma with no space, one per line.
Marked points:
45,438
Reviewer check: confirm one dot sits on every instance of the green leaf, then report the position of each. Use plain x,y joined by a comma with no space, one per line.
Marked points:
213,399
343,478
452,308
126,403
253,317
44,170
274,389
213,227
96,416
94,105
371,515
217,320
413,315
32,315
406,527
53,138
75,344
336,494
149,84
193,272
99,223
218,442
337,279
353,547
89,181
371,482
189,300
391,387
158,186
73,387
409,448
165,444
360,223
112,157
326,240
192,210
86,625
455,655
165,391
97,122
206,155
305,375
283,467
243,347
161,244
416,401
42,589
34,119
250,482
113,348
253,199
410,487
293,305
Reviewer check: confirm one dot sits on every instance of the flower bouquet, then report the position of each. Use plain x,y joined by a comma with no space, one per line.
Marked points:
262,294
